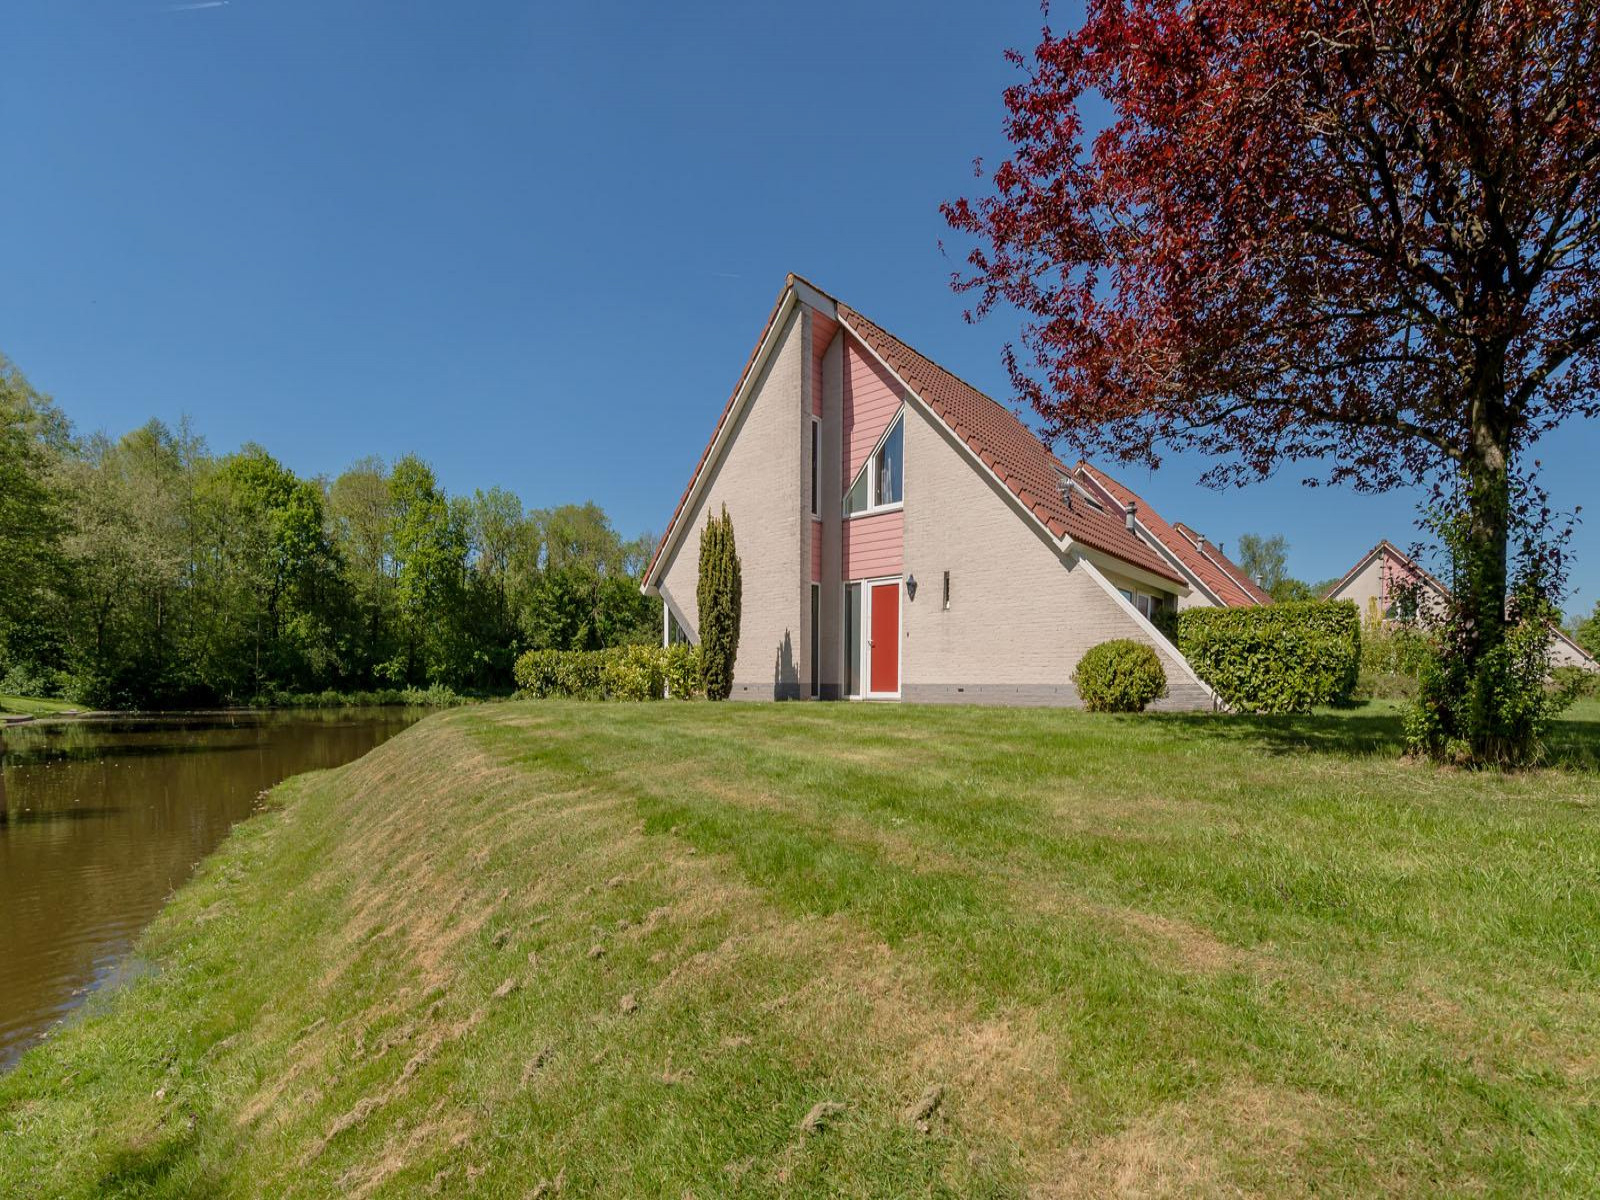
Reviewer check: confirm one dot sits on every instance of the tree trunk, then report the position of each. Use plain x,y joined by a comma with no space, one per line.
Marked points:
1483,569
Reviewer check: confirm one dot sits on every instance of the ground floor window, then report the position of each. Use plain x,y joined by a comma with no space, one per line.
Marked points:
816,636
676,634
852,638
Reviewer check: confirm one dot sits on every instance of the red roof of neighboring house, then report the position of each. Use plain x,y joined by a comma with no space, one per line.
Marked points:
1006,446
1224,563
993,432
1225,581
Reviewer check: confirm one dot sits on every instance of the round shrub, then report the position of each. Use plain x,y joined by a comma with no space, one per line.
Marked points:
1119,676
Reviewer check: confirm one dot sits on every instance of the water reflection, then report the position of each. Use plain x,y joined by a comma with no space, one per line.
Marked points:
104,819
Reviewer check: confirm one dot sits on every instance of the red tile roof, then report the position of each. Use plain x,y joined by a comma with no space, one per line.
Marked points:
1227,587
1223,563
1007,447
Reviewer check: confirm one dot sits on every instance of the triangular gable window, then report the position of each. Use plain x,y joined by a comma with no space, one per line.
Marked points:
881,483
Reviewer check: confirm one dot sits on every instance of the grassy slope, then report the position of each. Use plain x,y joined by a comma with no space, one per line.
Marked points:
1175,955
35,705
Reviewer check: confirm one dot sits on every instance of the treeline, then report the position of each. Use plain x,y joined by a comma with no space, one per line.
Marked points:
147,572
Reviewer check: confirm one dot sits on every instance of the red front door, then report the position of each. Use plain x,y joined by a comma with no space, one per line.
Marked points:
883,673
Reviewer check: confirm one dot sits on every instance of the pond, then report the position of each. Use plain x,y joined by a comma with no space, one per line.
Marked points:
106,818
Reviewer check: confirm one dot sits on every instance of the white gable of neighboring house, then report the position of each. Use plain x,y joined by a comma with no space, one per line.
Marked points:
1374,584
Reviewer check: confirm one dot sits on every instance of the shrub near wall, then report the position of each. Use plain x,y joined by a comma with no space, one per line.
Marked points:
1278,658
633,672
617,673
1119,676
683,671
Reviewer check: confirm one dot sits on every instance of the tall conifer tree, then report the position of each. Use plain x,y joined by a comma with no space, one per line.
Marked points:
720,596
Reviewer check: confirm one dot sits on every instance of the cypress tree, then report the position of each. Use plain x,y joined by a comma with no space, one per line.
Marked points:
720,596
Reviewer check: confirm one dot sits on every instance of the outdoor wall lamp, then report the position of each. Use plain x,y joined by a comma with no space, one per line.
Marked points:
911,587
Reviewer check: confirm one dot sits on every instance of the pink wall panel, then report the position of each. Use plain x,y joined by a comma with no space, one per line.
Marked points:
1396,574
874,545
871,398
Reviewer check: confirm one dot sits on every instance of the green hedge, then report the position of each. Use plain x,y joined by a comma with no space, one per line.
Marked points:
684,677
617,673
1119,676
1277,658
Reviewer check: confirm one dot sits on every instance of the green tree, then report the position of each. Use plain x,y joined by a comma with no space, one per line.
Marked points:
1291,591
587,594
359,523
1587,632
720,596
34,440
144,575
1264,559
287,592
429,545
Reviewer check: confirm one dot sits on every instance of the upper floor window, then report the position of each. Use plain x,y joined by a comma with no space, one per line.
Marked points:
1143,601
881,483
816,464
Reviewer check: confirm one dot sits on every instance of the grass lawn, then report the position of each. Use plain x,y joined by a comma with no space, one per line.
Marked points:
34,705
625,950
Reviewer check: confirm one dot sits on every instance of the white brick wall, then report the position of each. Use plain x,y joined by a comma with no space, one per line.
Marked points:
761,480
1019,616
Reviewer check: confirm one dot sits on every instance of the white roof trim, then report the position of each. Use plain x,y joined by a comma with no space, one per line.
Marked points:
812,298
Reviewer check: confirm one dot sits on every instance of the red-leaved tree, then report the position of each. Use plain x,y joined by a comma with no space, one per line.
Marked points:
1362,232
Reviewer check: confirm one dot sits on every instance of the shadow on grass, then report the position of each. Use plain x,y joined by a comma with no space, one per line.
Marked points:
1366,731
166,1167
1356,733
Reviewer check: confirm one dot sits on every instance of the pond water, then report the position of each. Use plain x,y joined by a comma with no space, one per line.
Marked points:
106,817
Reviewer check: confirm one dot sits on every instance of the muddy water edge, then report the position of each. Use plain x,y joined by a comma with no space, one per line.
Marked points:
105,818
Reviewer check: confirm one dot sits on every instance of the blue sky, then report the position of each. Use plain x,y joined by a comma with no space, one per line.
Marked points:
531,242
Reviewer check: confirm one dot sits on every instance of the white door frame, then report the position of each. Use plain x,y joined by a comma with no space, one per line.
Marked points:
866,635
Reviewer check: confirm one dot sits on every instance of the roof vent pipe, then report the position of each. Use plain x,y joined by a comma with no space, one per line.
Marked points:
1133,512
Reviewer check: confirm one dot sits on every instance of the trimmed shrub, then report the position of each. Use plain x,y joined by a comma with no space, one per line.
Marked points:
619,673
1276,659
633,672
682,668
545,673
1119,676
536,673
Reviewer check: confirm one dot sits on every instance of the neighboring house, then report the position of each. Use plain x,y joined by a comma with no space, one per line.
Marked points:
905,537
1388,585
1214,581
